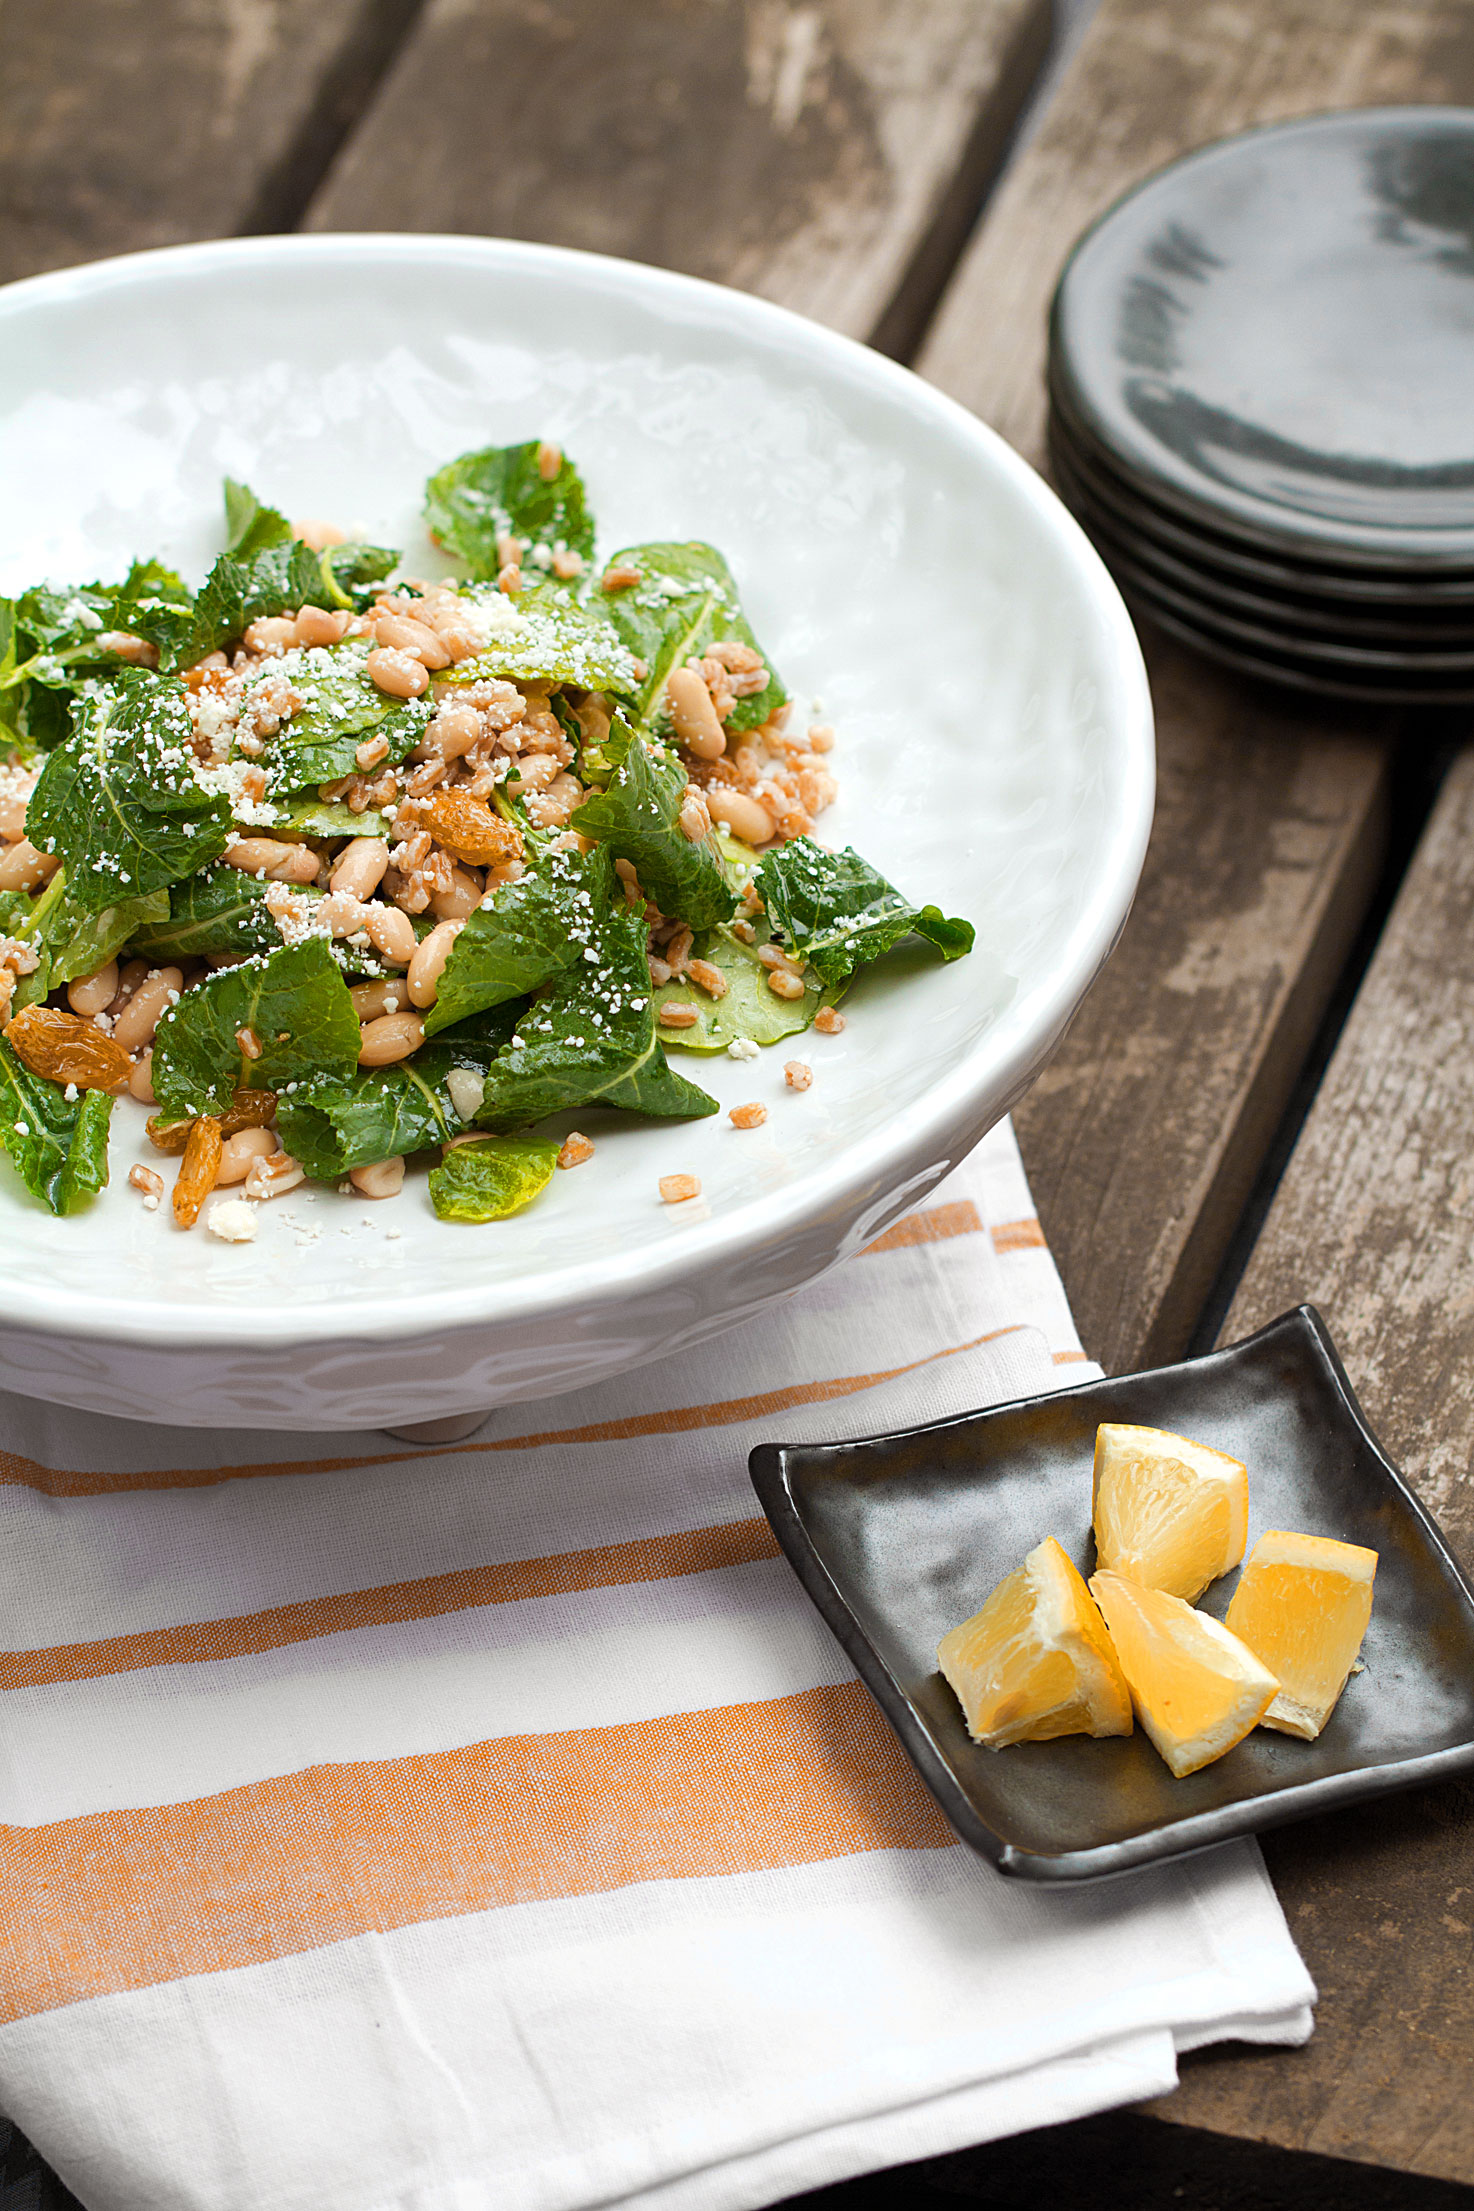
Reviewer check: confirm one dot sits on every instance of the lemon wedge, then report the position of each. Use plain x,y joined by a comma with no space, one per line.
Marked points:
1036,1662
1197,1689
1302,1607
1170,1514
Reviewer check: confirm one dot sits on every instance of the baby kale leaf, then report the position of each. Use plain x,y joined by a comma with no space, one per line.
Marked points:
500,492
57,1147
686,600
529,933
835,911
638,817
295,1003
591,1041
119,802
748,1008
489,1180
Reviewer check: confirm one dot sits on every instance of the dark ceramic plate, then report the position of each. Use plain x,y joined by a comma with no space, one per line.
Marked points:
898,1538
1441,624
1275,334
1448,590
1312,683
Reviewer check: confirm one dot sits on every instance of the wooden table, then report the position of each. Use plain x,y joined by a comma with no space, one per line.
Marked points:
1270,1094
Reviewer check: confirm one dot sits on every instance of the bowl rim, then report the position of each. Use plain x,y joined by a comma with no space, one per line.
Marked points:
1002,1060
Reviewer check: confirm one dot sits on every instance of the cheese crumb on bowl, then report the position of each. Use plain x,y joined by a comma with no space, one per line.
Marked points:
234,1221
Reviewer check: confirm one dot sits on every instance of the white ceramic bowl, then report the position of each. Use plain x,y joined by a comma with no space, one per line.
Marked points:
899,562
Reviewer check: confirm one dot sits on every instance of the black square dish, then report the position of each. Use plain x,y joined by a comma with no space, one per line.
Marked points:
899,1538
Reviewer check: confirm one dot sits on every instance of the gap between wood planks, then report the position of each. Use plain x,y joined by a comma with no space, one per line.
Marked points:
342,100
1419,768
1026,90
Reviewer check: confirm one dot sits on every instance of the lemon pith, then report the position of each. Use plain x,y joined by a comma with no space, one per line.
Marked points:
1196,1688
1036,1661
1302,1606
1169,1513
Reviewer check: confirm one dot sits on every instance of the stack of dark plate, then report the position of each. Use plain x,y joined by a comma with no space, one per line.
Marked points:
1262,401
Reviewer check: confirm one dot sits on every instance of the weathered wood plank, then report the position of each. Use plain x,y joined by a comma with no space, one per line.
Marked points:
1152,79
1145,1133
828,154
132,123
1374,1223
1374,1218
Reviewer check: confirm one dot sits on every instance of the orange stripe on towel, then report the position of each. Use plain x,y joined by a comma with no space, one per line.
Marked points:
679,1420
934,1227
1018,1236
657,1558
128,1899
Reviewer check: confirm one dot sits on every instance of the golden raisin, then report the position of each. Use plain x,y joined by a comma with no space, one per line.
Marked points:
67,1048
248,1109
197,1170
469,830
167,1136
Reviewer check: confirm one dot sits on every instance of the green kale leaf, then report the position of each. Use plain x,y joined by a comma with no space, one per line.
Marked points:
342,708
354,574
547,634
220,910
304,814
638,816
591,1041
58,1148
488,1181
71,940
530,932
347,574
279,577
686,600
295,1002
119,801
334,1124
748,1009
833,910
250,525
500,491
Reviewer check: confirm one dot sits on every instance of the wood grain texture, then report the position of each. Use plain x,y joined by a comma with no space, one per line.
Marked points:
1151,80
133,123
1144,1135
828,154
1373,1223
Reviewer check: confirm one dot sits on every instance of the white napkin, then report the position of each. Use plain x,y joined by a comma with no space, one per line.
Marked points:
498,1826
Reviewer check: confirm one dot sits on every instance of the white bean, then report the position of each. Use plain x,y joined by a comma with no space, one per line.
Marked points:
423,980
383,1179
268,856
238,1152
697,724
742,815
392,1037
23,868
94,993
361,869
136,1023
391,933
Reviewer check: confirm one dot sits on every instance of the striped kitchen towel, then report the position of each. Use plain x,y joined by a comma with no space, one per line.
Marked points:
497,1828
